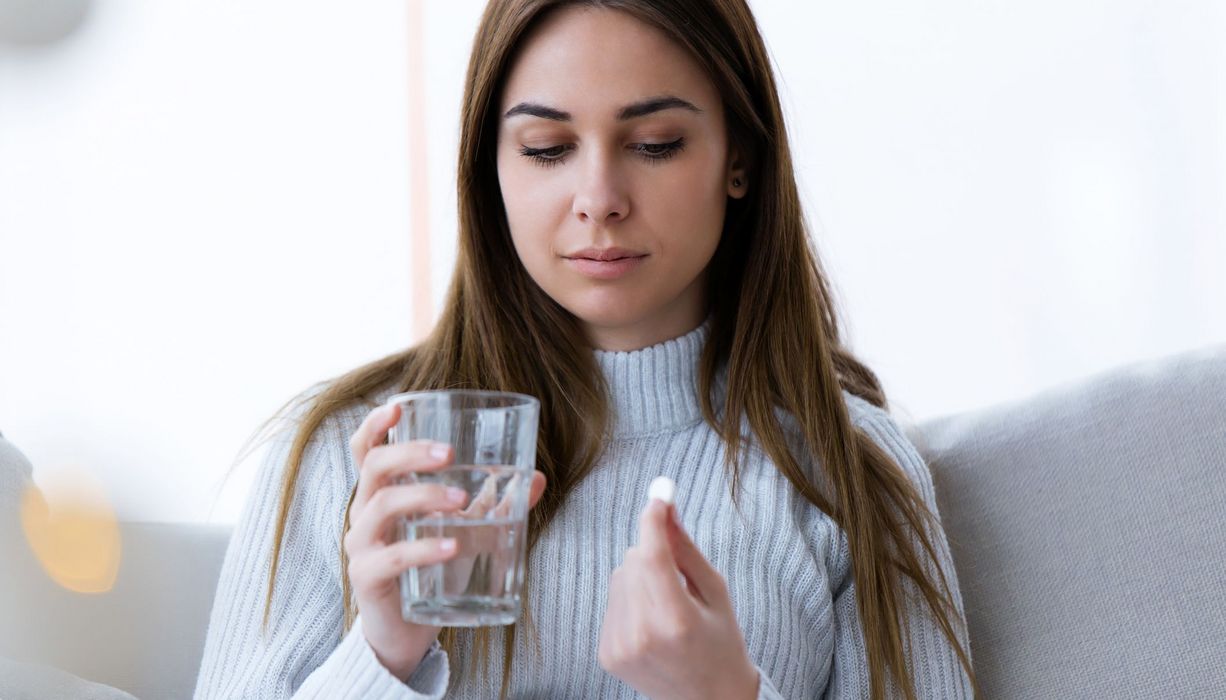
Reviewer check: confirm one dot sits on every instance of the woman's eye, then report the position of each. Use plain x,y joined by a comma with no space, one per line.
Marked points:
652,152
547,157
660,151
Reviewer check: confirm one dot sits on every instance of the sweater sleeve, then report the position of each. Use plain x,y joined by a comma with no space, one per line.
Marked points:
935,668
303,654
766,689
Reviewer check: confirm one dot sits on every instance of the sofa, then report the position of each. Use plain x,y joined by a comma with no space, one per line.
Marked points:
1086,524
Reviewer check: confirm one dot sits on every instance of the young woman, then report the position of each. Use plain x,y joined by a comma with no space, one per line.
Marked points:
632,252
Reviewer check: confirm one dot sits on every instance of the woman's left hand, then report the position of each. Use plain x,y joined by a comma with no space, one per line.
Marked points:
669,639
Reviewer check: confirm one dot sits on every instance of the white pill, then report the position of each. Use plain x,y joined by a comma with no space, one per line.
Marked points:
662,488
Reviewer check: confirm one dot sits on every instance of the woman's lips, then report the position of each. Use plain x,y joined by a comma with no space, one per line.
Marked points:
606,269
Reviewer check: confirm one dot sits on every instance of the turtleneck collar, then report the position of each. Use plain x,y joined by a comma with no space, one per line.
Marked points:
655,389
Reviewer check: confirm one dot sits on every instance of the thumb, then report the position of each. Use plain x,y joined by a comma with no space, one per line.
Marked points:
537,488
704,580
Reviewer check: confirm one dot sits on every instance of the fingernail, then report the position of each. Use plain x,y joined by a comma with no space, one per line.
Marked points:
438,451
456,495
447,545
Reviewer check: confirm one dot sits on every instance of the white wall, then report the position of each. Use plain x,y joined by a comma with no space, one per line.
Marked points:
1012,195
204,209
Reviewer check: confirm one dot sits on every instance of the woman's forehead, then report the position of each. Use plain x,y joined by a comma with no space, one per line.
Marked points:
598,62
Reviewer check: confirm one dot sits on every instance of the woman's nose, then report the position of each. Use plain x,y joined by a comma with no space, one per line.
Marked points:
600,193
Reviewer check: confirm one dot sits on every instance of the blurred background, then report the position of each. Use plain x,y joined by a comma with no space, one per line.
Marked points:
206,207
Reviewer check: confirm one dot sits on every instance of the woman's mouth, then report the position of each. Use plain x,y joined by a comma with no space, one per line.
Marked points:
606,269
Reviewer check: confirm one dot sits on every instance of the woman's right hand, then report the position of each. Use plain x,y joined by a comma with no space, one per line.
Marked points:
376,559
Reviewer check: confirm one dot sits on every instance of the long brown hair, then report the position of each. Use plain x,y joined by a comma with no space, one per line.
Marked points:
773,331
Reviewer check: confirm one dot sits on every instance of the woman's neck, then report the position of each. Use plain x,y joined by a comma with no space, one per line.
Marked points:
673,321
655,389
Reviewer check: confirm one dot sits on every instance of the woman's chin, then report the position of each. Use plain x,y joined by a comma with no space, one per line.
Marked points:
609,310
604,321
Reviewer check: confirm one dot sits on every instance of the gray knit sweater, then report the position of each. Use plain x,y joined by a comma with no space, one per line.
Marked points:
786,564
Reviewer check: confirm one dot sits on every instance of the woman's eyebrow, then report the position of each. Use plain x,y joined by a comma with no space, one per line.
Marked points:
630,111
652,105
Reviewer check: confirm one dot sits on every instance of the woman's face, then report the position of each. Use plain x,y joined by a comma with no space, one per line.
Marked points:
612,143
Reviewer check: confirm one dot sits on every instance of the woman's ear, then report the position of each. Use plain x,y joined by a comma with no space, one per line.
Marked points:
738,183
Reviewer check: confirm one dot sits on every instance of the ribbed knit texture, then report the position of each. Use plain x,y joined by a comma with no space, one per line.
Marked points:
786,564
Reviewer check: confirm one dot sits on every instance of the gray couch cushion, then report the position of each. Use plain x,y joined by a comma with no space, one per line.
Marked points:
25,679
29,681
1087,526
16,473
145,635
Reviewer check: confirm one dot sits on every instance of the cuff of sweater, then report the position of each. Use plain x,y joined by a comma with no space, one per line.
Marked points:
766,689
366,677
429,679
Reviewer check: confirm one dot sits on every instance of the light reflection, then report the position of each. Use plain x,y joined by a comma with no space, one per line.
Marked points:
71,528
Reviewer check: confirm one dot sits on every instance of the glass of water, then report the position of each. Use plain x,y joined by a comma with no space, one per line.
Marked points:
493,435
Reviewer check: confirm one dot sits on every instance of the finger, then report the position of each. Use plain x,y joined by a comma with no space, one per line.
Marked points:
509,493
387,461
699,572
537,489
485,499
391,502
658,571
373,431
619,619
379,565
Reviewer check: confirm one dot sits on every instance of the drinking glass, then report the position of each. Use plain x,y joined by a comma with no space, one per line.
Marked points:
493,435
